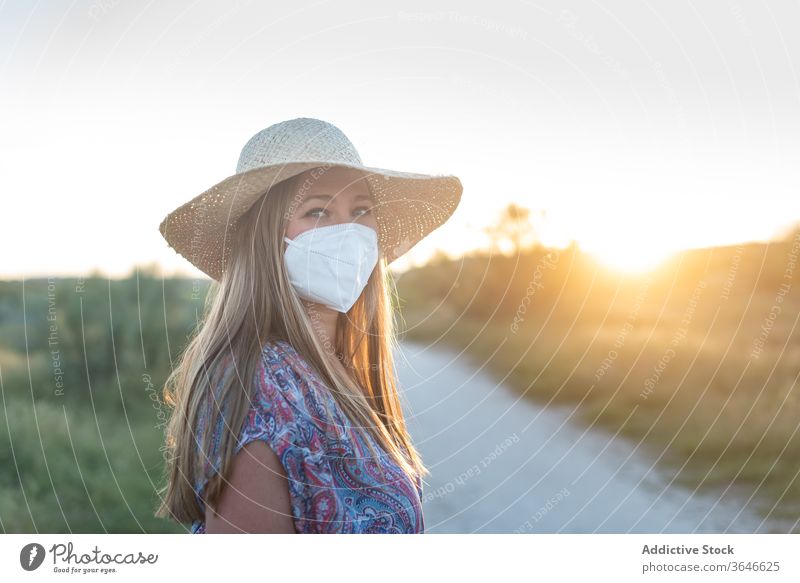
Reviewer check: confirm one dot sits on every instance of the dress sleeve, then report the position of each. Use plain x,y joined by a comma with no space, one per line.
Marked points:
279,416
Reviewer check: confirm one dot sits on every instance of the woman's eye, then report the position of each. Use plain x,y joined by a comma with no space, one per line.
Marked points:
367,210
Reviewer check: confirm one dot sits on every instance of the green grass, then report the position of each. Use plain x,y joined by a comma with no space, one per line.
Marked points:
73,471
87,458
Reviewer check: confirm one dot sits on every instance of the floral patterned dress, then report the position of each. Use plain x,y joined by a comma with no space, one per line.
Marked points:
335,484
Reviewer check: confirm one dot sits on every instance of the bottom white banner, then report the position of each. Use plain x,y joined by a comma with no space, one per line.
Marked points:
495,557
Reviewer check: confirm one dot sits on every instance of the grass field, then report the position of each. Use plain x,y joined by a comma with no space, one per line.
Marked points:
82,363
698,360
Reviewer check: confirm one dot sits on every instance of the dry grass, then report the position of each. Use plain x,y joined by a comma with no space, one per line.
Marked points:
682,361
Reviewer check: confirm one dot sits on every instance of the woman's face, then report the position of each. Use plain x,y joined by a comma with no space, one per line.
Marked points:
335,196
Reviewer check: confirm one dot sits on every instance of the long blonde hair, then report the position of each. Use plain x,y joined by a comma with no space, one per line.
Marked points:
254,302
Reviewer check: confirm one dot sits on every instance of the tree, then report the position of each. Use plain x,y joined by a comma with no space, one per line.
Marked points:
513,228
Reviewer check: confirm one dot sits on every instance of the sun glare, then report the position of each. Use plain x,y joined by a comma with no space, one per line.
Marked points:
629,258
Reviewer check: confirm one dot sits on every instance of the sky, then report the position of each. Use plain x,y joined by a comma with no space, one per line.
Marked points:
635,128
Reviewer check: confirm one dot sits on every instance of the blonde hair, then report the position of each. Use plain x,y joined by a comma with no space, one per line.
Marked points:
255,302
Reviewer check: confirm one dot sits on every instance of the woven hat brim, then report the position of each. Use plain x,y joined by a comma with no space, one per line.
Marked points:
408,207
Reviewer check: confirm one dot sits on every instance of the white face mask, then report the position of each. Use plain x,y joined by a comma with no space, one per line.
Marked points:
330,265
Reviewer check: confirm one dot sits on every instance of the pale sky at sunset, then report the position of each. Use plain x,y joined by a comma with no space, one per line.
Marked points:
650,126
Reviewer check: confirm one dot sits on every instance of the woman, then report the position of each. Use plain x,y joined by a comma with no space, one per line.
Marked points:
286,412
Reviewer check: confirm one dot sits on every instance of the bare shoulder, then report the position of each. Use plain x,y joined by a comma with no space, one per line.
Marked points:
255,498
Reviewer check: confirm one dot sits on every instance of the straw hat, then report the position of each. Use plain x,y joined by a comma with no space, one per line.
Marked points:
407,206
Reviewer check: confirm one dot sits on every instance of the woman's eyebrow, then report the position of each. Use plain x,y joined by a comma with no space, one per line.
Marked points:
328,197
